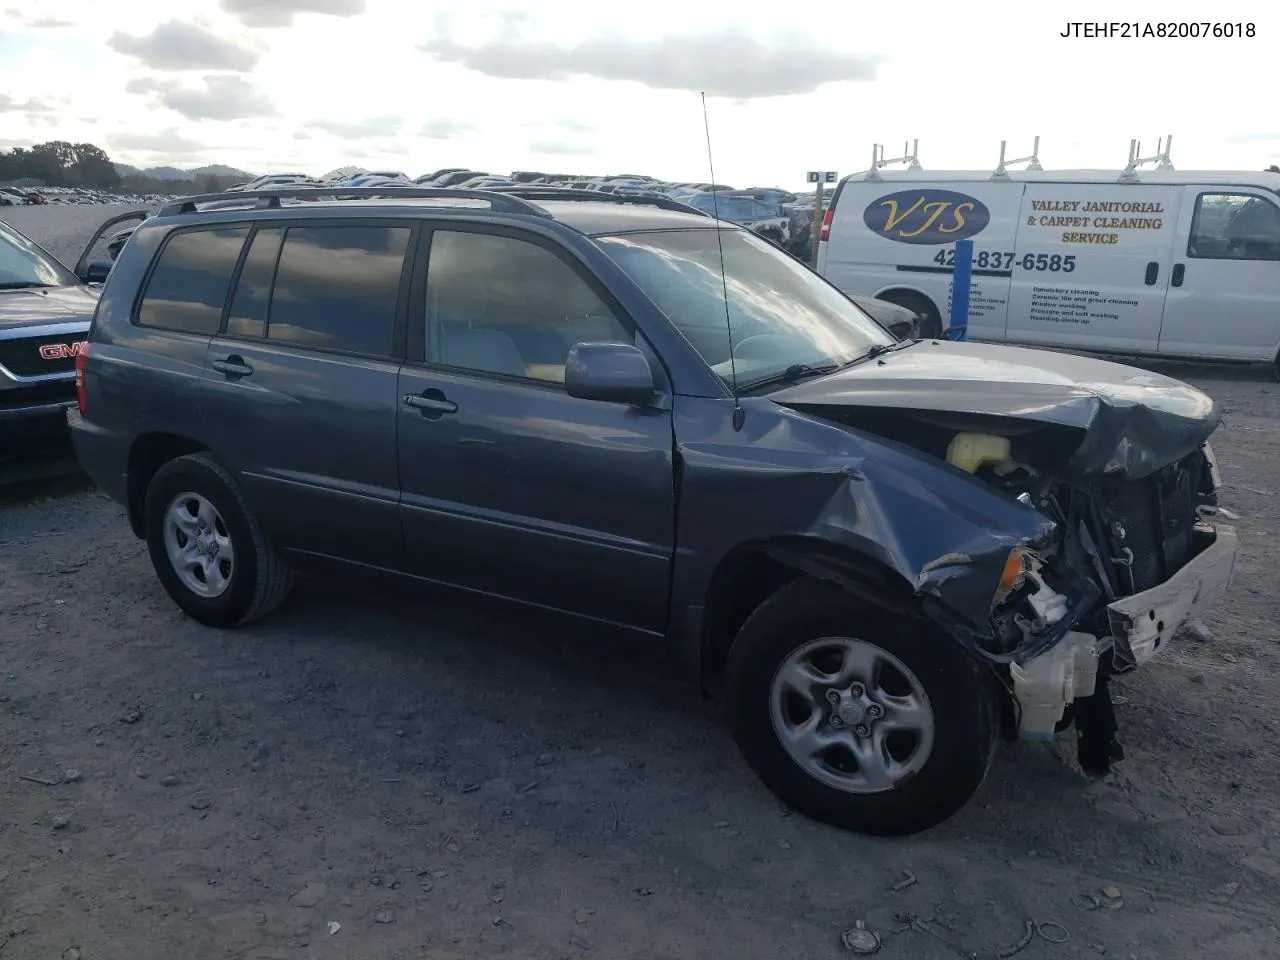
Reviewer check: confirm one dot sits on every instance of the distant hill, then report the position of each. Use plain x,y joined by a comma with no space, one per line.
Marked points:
174,173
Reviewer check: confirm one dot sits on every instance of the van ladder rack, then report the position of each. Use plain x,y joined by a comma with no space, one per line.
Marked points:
1032,162
910,157
1161,158
269,199
534,192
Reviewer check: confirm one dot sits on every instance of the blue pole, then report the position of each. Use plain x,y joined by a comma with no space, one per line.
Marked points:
961,281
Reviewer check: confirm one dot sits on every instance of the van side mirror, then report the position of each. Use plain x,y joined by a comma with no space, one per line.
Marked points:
97,271
905,329
610,372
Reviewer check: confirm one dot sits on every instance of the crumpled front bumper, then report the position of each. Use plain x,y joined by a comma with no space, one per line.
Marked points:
1142,624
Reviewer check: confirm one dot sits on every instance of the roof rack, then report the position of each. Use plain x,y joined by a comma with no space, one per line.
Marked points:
1161,158
269,199
910,157
597,196
1032,162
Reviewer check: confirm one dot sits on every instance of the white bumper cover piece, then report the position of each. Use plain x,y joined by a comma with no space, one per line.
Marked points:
1142,624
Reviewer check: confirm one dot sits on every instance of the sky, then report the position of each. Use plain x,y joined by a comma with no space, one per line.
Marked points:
576,87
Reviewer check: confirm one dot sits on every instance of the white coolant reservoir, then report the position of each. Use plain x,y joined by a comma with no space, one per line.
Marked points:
969,451
1044,685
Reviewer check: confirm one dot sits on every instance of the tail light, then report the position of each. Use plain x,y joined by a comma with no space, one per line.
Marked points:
81,357
826,226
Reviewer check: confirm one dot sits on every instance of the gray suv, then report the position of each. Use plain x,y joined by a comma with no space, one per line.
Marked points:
887,554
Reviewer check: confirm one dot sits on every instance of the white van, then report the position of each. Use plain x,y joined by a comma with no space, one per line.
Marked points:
1155,263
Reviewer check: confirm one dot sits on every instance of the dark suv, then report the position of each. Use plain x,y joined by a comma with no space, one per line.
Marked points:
887,553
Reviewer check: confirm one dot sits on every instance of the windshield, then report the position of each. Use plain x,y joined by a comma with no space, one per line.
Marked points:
23,264
780,312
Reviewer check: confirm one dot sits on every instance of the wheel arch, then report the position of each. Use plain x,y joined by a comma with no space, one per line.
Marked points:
147,454
752,572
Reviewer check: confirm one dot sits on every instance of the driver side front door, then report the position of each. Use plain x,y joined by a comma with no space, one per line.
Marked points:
509,486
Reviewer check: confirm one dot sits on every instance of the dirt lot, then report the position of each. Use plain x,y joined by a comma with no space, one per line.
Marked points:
441,783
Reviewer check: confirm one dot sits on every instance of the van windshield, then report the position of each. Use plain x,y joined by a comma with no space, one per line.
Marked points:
780,313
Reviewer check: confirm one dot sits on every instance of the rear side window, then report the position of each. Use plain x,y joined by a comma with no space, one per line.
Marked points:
336,288
189,284
248,316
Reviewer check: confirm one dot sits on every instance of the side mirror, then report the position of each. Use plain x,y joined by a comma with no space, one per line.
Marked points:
97,271
904,329
612,372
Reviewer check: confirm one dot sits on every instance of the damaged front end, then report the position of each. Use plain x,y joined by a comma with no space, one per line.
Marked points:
1121,472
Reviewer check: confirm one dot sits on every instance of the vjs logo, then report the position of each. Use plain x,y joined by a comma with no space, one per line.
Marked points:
926,216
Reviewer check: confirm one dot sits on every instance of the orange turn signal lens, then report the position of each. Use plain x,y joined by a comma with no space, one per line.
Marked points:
1011,577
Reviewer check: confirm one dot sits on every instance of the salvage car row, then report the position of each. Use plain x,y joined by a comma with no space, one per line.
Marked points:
889,553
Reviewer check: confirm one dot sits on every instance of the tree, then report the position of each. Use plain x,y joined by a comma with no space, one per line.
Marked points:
93,168
60,164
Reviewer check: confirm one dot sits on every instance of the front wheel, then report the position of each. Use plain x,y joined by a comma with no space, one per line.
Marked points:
855,719
207,547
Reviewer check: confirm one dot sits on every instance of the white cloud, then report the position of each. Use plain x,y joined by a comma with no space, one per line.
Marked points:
281,13
179,45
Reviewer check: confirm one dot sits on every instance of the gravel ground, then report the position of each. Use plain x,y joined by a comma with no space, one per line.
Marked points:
377,772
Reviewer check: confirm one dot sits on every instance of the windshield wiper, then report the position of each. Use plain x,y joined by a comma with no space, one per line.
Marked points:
793,374
23,284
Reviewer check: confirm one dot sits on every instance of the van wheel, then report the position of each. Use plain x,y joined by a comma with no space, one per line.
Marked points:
855,718
207,547
930,319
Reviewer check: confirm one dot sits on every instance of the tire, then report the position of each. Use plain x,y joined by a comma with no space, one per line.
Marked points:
256,579
959,701
930,319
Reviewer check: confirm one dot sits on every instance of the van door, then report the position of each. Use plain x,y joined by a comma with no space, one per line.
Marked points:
1225,281
1092,265
895,239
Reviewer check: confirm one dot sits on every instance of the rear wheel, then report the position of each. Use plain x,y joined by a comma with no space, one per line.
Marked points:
855,719
207,547
922,306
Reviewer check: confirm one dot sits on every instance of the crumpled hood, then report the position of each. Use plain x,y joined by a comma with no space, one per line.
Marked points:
1132,422
24,308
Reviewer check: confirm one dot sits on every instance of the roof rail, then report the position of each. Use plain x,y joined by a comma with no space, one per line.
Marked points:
534,192
1161,158
1032,162
910,156
269,199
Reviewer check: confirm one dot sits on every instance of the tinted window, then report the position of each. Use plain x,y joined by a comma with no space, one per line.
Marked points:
503,305
248,316
188,287
336,288
1231,226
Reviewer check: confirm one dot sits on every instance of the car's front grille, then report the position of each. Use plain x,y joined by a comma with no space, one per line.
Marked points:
34,356
1151,523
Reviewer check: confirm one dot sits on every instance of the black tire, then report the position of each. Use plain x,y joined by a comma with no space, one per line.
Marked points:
965,709
930,318
260,579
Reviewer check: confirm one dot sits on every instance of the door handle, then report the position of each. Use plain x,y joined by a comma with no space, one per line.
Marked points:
429,402
1153,271
1179,270
233,367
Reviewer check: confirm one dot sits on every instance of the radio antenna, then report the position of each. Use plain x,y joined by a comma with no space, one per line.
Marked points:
739,415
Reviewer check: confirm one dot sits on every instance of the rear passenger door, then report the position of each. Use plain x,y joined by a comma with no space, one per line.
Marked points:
299,392
510,486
